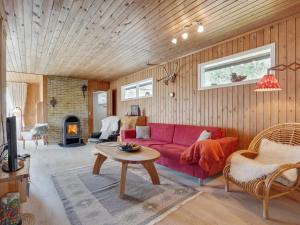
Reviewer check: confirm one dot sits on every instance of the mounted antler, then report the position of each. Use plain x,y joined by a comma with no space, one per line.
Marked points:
169,76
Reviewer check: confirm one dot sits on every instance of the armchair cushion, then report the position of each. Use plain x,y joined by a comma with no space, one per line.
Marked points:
271,152
244,169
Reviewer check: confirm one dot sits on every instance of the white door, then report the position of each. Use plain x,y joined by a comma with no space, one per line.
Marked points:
99,108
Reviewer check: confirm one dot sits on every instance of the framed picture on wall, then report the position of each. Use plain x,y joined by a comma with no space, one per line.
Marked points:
135,110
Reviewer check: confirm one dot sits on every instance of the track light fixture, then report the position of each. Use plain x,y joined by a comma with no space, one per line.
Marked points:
174,41
185,34
200,28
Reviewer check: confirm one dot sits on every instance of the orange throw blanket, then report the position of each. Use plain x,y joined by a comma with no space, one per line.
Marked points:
205,153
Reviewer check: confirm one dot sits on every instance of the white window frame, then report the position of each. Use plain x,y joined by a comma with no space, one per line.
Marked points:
234,58
136,85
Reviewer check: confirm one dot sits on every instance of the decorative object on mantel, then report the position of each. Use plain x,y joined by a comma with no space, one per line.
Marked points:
53,102
237,78
269,82
169,76
135,110
84,89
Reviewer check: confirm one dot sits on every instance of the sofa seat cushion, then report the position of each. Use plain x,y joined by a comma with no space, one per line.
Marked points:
144,142
188,134
170,151
162,132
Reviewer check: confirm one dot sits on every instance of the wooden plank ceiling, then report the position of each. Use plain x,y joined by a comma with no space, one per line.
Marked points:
105,39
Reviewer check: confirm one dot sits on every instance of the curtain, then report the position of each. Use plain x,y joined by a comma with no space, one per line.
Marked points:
16,98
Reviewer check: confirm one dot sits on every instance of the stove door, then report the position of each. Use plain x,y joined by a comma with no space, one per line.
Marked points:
72,130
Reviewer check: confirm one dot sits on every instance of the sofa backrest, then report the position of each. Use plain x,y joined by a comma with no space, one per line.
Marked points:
162,132
188,134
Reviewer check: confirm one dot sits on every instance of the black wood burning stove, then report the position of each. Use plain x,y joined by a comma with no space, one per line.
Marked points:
71,134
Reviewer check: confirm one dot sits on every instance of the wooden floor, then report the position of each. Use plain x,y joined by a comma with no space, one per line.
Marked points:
216,207
211,207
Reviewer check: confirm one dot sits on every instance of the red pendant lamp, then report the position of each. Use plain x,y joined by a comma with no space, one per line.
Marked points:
269,82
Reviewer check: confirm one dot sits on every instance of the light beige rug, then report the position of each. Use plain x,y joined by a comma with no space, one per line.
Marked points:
94,200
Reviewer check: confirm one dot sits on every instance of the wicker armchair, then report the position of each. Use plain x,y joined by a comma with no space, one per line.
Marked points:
262,188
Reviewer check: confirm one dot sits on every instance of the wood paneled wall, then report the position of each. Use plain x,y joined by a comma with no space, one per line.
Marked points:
2,77
239,110
31,111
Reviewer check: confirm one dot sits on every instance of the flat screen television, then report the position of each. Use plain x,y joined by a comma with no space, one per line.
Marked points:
11,134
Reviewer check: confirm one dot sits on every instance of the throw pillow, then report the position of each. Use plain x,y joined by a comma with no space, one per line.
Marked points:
104,135
142,132
204,135
271,152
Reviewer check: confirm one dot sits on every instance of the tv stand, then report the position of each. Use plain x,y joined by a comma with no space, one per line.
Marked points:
17,181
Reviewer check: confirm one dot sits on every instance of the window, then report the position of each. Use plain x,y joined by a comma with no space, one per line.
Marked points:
102,98
242,68
145,89
140,89
130,92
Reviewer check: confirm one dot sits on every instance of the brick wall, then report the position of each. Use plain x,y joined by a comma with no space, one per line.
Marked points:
70,101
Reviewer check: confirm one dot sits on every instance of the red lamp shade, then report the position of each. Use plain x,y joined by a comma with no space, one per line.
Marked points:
268,83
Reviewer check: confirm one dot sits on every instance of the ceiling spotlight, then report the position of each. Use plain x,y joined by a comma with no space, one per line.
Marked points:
200,28
174,41
185,35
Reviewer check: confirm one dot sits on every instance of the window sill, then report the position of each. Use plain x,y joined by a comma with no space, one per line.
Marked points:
130,99
229,84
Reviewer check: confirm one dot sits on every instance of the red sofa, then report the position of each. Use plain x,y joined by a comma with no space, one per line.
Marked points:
171,140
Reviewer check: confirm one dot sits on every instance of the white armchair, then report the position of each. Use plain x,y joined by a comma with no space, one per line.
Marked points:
38,132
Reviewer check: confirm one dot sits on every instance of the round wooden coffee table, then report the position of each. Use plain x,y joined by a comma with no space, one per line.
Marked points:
146,156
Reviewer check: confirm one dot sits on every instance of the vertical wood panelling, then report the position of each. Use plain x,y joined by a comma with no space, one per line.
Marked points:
31,111
291,79
275,95
298,72
238,109
2,81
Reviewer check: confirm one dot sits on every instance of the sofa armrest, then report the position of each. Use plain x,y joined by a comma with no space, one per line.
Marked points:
228,145
128,134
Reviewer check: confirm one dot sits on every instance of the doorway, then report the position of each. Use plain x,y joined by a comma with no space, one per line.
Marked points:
99,109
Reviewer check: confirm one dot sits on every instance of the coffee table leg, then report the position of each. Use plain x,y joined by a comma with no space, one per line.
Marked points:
149,166
123,178
98,163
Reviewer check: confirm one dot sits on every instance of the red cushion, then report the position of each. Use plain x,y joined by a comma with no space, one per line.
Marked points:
162,132
170,151
144,142
187,134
